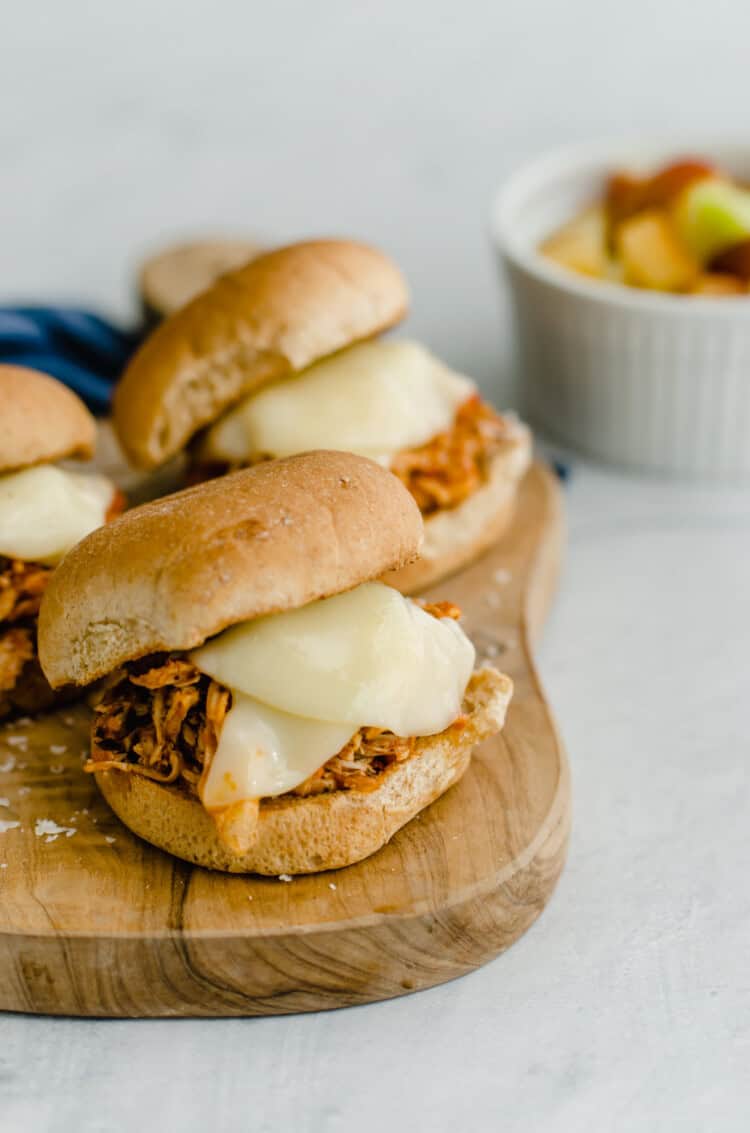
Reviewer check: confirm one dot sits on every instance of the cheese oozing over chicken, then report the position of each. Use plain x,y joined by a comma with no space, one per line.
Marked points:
374,399
45,510
305,680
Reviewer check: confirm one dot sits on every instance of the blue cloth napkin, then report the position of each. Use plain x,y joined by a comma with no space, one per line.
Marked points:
82,349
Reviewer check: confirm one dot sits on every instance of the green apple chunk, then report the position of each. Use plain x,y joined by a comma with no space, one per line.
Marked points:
711,215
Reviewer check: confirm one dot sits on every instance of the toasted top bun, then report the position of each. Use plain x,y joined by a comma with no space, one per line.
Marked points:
279,313
172,573
177,274
40,420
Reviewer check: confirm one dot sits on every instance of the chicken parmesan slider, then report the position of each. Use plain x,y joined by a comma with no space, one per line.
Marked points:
267,706
44,511
282,356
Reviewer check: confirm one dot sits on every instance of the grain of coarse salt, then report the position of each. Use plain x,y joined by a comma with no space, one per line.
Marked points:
502,576
4,802
48,829
23,792
285,877
331,885
8,824
8,764
109,839
17,741
58,749
57,768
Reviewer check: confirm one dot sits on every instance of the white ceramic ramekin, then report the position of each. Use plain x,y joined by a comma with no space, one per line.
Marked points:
651,381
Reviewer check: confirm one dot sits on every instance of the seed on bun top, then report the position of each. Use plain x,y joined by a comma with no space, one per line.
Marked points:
173,573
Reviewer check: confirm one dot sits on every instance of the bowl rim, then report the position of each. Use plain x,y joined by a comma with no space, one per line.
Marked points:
601,156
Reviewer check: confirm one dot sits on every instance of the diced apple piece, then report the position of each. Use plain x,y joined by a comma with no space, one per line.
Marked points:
666,185
711,216
580,245
623,198
718,283
627,195
735,260
653,255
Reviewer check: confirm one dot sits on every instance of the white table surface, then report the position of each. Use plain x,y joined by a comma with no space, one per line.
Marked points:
627,1006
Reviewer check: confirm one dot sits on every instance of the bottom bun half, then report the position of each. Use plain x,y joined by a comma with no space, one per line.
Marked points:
327,831
454,537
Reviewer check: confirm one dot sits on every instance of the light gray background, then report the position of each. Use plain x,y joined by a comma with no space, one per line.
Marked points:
628,1006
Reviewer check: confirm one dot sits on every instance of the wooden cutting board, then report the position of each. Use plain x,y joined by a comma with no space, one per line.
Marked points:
95,922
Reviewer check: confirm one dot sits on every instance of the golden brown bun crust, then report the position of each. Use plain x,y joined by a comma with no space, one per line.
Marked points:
41,420
305,835
174,572
174,276
276,315
456,536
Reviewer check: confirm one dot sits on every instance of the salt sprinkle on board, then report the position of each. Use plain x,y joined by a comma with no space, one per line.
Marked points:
7,824
48,829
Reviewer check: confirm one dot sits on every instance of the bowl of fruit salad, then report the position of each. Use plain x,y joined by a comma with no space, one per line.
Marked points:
629,269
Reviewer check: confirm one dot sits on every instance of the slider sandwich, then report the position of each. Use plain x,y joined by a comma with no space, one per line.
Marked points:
283,356
44,511
266,705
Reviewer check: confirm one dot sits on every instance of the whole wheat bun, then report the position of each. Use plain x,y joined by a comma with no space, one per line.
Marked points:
454,537
41,420
276,315
175,275
175,572
328,831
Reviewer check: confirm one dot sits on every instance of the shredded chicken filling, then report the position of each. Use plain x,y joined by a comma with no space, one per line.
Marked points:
21,588
440,474
162,718
23,687
453,465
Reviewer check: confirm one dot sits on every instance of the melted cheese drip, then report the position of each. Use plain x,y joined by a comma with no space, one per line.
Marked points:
374,399
305,680
45,510
264,752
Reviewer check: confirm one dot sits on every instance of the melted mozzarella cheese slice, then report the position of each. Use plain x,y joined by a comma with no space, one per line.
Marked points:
45,510
368,657
263,752
373,399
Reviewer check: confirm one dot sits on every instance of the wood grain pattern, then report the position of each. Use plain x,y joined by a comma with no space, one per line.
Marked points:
96,922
